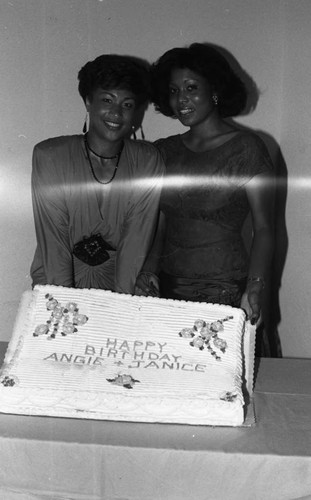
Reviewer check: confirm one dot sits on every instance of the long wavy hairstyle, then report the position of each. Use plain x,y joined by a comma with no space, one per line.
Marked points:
207,61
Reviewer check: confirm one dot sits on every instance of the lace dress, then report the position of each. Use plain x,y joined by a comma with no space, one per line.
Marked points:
205,204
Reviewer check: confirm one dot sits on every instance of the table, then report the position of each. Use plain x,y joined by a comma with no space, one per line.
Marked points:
70,459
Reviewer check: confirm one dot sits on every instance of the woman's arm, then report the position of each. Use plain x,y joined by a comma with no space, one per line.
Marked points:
147,282
52,262
260,192
141,219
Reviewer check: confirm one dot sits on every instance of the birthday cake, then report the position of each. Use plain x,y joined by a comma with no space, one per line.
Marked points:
97,354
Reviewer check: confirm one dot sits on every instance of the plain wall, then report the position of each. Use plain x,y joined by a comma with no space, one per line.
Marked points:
43,44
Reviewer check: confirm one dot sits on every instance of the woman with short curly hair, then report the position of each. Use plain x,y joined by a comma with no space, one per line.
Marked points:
96,195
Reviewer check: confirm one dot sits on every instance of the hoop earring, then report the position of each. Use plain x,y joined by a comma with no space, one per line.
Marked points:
85,126
215,99
134,133
142,133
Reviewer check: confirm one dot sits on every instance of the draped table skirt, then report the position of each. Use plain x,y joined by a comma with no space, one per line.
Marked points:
71,459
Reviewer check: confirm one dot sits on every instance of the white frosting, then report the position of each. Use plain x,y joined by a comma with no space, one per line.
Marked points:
169,380
249,342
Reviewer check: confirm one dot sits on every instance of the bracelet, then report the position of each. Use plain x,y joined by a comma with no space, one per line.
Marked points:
257,279
148,274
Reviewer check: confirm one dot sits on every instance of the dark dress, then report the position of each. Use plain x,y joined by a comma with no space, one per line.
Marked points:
205,203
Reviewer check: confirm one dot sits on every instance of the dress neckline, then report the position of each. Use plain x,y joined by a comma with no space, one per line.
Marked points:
83,146
211,150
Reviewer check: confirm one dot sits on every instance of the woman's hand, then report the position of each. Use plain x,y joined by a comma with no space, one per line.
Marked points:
251,302
147,284
260,193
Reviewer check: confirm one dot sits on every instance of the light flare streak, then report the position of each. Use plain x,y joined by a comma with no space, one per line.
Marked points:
190,182
8,193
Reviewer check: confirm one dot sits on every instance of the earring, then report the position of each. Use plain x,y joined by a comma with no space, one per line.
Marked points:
85,126
142,133
215,99
134,133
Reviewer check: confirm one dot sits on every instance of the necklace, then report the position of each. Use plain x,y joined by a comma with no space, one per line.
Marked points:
117,156
96,154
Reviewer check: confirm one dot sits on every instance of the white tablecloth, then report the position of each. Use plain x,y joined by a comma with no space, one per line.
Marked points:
55,458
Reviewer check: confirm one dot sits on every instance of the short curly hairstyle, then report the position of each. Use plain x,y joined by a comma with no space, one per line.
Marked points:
111,71
207,61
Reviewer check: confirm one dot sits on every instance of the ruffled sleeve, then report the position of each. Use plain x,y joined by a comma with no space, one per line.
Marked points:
249,157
